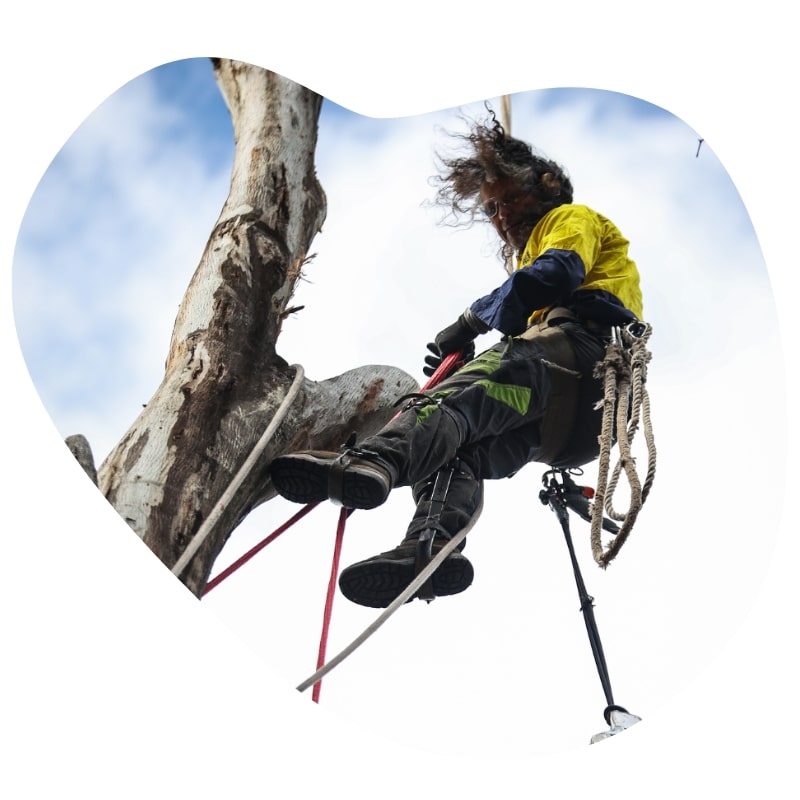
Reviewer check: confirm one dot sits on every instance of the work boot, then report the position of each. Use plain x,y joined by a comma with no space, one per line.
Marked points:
349,480
379,580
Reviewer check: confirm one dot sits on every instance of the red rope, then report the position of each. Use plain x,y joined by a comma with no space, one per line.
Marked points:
439,374
260,546
326,617
444,369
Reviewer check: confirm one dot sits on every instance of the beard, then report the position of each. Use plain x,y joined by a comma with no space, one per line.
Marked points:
517,235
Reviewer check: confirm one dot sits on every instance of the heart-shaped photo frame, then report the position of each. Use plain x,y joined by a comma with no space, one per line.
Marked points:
180,350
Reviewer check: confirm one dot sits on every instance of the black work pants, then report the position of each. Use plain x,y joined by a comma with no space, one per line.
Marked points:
490,419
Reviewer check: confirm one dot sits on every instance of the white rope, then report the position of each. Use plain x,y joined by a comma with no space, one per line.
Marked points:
505,113
505,120
212,519
410,590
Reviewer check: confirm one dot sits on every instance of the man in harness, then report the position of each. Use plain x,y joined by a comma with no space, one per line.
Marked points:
530,397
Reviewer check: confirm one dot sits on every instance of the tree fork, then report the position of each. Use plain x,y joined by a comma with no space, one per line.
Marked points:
224,380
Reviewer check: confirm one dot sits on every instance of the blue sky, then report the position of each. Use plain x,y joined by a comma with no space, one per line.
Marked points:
77,318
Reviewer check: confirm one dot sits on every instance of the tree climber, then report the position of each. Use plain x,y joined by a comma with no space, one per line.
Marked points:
530,397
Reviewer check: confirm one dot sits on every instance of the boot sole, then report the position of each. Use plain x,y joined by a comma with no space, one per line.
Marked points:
304,478
377,582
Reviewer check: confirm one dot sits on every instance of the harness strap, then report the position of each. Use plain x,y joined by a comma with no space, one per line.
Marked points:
558,420
336,479
424,552
424,555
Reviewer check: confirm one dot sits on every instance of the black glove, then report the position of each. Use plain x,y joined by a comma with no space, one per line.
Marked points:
434,361
461,333
458,336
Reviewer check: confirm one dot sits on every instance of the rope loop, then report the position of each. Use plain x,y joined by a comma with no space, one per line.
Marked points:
626,406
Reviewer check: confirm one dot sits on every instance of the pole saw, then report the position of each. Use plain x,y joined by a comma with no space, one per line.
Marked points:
561,493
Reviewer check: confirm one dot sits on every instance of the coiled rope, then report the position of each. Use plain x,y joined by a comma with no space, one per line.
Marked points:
212,519
626,403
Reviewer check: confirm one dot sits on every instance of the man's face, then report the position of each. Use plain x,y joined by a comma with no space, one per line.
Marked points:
512,209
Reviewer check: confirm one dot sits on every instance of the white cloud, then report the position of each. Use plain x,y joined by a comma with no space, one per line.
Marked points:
109,242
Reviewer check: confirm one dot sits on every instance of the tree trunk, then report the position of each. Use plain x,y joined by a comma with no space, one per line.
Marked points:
223,379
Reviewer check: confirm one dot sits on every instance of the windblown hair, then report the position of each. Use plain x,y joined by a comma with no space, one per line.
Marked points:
492,154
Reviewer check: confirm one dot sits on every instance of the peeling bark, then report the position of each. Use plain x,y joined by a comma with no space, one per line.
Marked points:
224,379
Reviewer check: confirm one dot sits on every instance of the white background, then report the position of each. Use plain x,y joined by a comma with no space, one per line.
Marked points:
108,659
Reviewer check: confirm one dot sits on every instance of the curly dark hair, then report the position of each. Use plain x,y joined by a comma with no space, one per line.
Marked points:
493,154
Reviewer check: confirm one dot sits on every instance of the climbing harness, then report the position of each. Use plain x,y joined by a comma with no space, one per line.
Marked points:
561,493
625,404
556,424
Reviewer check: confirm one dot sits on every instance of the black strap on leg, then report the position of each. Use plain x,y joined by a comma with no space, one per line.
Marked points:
336,479
441,485
424,555
348,451
338,467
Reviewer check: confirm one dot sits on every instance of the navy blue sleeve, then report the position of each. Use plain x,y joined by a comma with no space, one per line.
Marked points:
551,278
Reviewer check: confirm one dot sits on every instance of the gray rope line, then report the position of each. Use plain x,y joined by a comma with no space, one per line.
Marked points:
395,604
